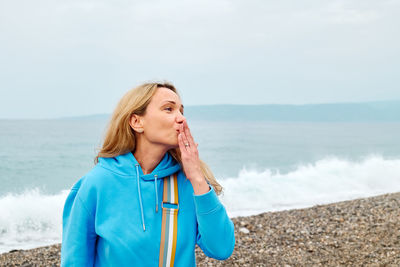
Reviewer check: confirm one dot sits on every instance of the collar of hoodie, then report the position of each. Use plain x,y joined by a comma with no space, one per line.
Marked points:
127,166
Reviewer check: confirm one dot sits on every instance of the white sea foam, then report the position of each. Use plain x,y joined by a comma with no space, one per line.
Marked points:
325,181
32,219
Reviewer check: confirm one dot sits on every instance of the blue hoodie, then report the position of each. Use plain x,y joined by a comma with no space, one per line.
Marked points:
112,217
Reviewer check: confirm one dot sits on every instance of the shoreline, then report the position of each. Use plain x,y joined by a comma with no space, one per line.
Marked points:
363,231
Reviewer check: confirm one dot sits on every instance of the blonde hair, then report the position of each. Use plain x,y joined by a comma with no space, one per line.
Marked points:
120,138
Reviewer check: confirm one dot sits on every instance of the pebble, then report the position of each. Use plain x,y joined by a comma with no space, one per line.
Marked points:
244,230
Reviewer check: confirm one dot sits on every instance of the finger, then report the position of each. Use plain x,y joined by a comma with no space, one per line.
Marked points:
189,135
181,143
185,140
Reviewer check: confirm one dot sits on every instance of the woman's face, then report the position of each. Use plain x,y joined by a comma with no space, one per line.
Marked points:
162,119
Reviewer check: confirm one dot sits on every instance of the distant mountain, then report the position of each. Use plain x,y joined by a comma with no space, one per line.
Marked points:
338,112
384,111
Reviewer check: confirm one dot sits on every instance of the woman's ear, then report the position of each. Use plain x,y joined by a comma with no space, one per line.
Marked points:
136,123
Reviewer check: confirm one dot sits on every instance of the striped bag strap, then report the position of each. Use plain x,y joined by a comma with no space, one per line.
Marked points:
169,227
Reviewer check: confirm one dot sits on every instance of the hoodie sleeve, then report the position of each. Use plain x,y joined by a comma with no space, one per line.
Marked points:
215,235
79,236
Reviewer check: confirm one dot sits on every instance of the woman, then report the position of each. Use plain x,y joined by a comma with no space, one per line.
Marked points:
150,199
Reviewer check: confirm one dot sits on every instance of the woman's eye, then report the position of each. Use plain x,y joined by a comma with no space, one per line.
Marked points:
169,109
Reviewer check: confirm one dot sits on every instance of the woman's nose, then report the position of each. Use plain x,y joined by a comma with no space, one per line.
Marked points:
180,118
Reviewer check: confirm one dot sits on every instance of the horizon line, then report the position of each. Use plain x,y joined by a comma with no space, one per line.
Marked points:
208,105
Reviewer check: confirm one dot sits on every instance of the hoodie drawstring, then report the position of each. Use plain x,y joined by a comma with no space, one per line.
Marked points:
140,196
155,186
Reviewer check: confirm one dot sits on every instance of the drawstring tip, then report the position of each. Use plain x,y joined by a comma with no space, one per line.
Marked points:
144,228
156,208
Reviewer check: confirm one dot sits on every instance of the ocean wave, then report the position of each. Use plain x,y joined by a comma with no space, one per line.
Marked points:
30,219
325,181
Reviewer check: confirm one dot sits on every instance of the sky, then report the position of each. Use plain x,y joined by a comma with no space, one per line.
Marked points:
63,58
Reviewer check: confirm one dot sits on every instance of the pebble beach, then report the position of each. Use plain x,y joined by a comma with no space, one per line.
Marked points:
361,232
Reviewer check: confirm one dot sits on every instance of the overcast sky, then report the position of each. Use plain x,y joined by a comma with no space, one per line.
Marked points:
78,57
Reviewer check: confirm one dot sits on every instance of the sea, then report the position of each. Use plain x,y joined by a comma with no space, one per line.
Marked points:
263,166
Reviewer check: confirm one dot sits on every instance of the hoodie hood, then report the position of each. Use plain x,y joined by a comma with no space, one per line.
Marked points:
127,166
123,166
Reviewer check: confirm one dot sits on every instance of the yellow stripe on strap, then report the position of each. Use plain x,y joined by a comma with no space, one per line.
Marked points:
169,227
